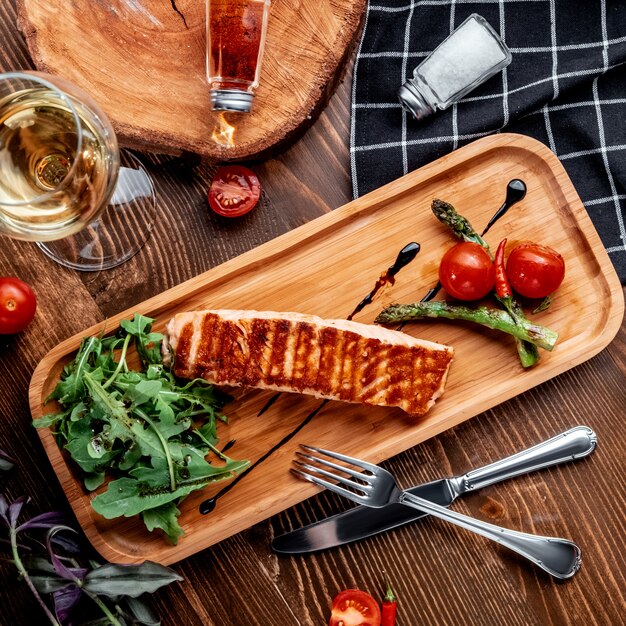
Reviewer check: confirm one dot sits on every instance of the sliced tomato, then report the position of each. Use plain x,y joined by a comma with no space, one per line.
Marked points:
18,304
354,608
235,190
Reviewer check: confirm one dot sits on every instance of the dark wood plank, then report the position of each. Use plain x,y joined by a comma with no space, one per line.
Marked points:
442,574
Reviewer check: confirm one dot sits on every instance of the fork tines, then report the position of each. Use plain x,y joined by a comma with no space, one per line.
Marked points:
357,490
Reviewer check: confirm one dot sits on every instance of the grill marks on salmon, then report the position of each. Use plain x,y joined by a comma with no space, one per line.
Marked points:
293,352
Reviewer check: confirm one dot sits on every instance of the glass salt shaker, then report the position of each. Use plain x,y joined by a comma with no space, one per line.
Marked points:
235,31
469,56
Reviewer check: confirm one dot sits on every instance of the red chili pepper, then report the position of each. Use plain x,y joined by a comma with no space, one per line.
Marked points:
503,287
390,606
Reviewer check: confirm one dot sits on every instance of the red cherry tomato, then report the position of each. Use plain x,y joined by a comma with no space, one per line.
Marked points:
354,608
235,190
18,304
467,272
535,271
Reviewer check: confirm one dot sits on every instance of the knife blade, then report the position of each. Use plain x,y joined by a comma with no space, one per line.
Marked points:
361,521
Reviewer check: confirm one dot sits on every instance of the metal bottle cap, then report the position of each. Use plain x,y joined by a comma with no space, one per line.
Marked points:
413,101
231,100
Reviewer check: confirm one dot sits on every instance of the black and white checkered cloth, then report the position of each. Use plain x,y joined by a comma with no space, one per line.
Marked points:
566,86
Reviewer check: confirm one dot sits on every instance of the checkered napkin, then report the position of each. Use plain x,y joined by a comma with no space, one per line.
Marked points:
566,86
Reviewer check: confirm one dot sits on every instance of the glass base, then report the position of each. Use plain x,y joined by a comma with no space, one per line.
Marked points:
121,230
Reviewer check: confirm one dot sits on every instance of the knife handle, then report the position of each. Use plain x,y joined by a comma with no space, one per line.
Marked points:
575,443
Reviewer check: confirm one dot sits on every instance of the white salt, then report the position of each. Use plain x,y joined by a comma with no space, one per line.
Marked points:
467,56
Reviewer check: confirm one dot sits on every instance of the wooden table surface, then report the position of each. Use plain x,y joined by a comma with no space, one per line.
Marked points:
442,574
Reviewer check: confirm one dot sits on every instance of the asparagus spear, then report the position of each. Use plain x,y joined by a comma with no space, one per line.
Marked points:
461,227
496,319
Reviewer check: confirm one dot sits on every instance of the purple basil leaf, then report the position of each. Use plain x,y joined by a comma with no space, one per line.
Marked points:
129,580
60,567
67,544
65,600
4,508
45,520
15,508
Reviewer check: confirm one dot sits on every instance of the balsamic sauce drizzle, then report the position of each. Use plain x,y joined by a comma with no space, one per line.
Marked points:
405,256
515,191
269,403
208,505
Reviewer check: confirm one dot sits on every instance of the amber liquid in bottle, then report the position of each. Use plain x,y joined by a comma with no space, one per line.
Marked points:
235,42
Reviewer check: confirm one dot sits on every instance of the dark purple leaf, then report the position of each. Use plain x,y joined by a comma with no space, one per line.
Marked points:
15,508
4,508
129,580
44,520
67,544
64,601
60,567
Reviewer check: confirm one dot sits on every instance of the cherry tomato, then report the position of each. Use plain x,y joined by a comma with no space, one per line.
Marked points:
235,190
467,272
354,608
18,304
535,271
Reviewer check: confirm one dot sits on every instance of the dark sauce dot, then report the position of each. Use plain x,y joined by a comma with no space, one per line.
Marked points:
229,445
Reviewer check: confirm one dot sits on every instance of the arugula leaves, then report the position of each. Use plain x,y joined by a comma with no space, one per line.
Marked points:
150,435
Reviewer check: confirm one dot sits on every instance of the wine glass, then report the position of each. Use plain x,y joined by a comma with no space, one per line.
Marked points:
60,168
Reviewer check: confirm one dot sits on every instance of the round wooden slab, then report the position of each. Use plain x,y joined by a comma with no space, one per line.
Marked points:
144,62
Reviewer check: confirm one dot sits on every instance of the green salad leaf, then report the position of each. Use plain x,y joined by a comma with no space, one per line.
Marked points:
153,437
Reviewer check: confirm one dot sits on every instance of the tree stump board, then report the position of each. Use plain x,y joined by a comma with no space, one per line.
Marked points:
144,62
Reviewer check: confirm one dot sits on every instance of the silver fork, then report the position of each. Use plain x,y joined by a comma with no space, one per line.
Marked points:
375,487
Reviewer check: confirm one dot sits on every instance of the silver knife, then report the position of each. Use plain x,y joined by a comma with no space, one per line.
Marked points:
361,521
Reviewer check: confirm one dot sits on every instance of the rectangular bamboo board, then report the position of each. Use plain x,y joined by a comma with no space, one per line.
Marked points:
325,268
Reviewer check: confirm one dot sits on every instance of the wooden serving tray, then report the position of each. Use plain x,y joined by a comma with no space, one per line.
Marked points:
144,62
325,268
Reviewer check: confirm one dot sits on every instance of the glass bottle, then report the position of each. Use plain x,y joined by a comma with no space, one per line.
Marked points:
470,55
235,43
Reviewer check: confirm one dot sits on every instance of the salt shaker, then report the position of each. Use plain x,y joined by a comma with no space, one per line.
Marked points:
468,57
235,43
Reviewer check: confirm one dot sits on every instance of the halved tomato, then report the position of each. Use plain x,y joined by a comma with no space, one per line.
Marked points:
235,190
353,607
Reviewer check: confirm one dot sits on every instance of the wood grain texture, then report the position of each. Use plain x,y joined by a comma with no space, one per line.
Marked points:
325,268
444,577
160,100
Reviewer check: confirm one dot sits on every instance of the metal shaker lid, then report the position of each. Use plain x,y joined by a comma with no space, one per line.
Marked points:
231,100
413,101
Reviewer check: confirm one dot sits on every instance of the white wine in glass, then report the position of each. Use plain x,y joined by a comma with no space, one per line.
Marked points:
60,172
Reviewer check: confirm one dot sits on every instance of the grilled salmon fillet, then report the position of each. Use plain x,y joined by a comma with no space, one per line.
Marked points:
294,352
